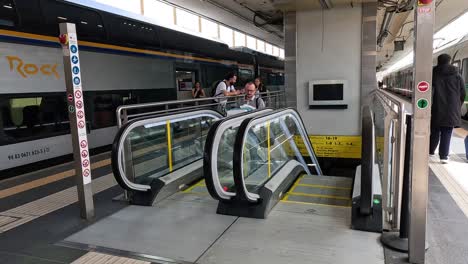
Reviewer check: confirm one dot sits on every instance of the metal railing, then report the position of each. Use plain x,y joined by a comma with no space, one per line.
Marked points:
274,99
395,114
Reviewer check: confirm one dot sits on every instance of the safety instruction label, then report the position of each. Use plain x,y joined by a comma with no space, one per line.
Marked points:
333,146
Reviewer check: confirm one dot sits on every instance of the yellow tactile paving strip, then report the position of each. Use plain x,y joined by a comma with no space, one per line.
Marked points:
100,258
30,211
49,179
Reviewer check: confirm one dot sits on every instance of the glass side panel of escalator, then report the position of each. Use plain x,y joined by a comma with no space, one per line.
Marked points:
155,149
224,159
268,146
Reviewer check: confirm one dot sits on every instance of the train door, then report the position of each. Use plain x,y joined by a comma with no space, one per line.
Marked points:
185,80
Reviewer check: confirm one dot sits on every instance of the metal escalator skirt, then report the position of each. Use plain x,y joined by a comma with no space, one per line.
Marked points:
148,123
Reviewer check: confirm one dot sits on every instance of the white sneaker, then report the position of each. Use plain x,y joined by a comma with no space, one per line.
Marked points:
431,155
444,161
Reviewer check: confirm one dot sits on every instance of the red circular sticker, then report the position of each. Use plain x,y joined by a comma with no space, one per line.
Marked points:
424,2
84,153
83,144
86,172
81,124
78,94
70,97
80,114
79,104
423,86
85,163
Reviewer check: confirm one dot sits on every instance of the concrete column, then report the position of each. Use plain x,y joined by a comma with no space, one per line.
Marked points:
290,85
368,51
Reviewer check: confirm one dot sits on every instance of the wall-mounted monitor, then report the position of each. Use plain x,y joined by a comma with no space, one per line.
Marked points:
328,94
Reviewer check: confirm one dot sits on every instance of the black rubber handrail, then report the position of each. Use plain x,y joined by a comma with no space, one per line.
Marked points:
117,146
367,160
241,189
209,147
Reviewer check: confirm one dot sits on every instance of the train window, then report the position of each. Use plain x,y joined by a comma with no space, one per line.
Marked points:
89,24
245,75
101,106
185,79
8,15
465,70
30,118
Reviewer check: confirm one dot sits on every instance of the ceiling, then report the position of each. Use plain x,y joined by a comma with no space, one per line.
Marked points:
268,15
402,27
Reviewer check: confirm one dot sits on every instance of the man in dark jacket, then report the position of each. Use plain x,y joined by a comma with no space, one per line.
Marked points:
448,95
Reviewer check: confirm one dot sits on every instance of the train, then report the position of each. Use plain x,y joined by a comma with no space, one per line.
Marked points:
401,82
123,61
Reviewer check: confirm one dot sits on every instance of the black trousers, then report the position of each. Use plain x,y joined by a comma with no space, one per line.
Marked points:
444,135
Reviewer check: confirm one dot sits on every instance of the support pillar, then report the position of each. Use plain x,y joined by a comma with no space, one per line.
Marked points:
423,35
368,51
290,39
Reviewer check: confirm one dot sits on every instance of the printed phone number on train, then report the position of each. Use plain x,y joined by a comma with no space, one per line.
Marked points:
29,153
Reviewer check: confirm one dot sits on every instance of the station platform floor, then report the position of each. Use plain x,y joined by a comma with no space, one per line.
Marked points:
39,223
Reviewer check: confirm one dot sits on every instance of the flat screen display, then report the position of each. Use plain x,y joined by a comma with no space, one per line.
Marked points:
328,92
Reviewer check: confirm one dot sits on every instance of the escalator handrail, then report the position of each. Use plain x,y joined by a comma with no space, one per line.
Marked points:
119,141
367,154
210,154
247,124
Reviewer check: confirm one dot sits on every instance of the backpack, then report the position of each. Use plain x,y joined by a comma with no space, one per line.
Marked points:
213,90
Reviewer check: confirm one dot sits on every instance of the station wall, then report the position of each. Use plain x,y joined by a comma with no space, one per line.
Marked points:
329,51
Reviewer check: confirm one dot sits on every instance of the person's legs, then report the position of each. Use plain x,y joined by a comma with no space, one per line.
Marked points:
445,137
434,140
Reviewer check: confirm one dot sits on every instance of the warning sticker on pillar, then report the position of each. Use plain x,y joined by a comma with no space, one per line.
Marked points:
424,2
423,86
76,104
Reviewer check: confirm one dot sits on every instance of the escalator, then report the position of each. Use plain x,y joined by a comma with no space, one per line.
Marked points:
247,162
272,160
155,157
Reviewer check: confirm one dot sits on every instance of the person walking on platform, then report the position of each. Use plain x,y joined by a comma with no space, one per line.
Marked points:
448,95
224,89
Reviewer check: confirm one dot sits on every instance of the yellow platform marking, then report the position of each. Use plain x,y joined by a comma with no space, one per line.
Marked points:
319,196
286,196
323,186
49,179
307,203
199,183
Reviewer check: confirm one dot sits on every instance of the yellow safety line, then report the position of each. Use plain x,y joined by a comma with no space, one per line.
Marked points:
306,203
319,196
269,148
323,186
286,197
169,146
49,179
189,189
295,184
